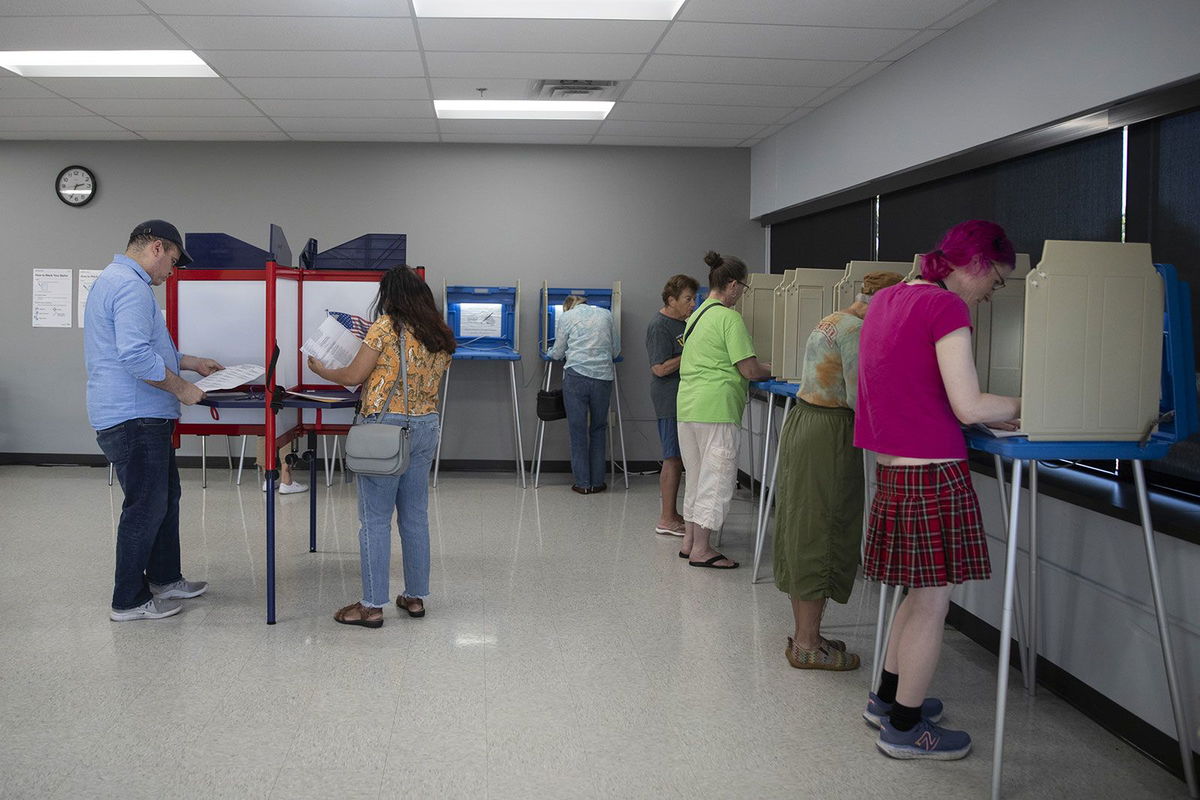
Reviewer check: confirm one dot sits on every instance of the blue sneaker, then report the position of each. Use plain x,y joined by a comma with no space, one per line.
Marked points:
925,740
877,710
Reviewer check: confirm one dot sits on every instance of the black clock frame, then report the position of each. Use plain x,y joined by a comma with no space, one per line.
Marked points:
91,197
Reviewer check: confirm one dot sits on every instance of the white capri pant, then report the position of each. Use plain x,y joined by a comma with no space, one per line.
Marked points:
709,451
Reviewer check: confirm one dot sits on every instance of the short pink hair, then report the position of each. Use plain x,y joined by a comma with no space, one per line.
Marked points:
974,245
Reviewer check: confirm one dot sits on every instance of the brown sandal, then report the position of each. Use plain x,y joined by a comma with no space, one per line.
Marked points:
406,604
358,614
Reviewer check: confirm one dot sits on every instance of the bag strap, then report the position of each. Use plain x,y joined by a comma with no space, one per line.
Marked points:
692,327
401,378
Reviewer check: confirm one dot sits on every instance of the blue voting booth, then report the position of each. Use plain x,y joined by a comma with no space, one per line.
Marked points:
550,308
486,322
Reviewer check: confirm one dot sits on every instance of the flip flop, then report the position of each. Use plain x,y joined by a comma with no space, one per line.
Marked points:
685,555
712,563
668,531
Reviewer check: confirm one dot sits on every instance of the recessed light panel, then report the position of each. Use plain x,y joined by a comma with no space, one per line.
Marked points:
522,109
550,9
105,64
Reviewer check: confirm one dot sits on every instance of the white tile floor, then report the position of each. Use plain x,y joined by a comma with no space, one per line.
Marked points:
567,653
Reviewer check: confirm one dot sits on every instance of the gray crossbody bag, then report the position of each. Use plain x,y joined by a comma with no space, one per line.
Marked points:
374,448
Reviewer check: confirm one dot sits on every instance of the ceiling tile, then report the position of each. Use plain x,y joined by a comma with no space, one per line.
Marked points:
86,33
848,13
196,124
769,71
54,8
286,8
964,13
866,72
711,130
21,87
920,39
333,88
780,41
209,136
519,126
558,66
467,88
338,64
311,136
162,107
721,94
520,138
827,95
346,108
695,113
539,35
355,125
164,88
59,124
663,141
294,33
57,135
799,113
39,107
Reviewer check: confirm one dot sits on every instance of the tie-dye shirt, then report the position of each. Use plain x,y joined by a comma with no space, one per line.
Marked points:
425,371
830,374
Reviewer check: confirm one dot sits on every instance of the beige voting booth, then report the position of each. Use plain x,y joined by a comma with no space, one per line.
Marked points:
998,328
757,306
852,279
803,298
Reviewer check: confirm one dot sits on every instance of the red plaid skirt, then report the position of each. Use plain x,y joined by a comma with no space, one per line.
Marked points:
925,527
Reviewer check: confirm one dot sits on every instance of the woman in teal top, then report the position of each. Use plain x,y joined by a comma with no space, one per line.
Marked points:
717,364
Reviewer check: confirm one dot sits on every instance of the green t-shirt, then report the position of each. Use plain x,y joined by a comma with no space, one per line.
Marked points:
710,387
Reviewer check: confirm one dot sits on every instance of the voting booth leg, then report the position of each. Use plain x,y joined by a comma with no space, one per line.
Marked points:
540,438
620,426
1021,638
1031,622
110,473
768,490
760,521
1182,728
437,456
272,475
883,630
750,436
311,454
1010,581
203,462
241,460
229,455
512,380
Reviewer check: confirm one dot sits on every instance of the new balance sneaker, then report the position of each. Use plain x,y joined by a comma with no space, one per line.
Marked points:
925,740
295,487
877,710
179,590
154,608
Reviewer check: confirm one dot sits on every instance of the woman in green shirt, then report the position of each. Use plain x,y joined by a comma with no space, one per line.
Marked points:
717,364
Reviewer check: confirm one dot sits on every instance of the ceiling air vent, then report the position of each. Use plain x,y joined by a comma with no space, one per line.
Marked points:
574,90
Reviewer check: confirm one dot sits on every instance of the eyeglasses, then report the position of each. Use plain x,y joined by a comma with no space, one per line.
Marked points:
999,282
743,285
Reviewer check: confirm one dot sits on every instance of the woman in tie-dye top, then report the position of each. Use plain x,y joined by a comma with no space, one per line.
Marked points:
818,523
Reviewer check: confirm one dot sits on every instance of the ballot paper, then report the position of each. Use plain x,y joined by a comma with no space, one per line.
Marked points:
230,377
979,427
333,345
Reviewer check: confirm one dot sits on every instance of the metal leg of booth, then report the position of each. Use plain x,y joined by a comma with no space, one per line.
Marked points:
1010,585
110,473
760,536
520,447
437,456
620,426
269,499
311,455
759,526
241,460
1182,728
540,438
1031,620
882,631
1022,639
203,462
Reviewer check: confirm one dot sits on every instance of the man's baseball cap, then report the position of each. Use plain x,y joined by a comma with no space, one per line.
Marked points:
164,230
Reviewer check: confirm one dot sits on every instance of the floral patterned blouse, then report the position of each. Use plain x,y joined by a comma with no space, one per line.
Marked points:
425,371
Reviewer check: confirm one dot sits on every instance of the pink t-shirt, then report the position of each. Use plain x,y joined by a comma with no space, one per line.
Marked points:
903,409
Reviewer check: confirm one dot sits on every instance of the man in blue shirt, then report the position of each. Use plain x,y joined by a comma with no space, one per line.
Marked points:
133,396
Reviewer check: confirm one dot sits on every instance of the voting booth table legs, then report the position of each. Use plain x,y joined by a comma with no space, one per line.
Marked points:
511,358
539,439
770,469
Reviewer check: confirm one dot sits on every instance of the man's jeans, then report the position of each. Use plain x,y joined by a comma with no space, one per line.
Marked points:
148,534
584,397
381,496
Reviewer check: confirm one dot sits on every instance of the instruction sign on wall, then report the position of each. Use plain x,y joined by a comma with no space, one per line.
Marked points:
52,298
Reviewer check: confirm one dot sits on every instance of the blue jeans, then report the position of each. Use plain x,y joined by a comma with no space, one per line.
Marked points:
408,496
148,533
584,397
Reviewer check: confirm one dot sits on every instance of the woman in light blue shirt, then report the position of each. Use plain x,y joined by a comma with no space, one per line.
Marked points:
587,337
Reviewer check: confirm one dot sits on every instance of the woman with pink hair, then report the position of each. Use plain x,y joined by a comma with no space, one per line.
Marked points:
916,385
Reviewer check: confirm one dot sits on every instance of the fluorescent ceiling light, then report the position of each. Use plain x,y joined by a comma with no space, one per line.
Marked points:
550,9
105,64
522,109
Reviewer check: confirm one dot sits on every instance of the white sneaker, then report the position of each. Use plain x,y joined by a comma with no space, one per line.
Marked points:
264,486
296,487
154,608
179,590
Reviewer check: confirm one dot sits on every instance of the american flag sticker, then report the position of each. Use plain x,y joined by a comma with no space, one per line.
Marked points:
355,324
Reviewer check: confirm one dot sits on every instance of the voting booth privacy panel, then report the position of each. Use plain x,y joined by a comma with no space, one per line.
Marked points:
551,308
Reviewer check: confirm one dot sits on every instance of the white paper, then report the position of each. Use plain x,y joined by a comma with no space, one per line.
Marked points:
333,345
86,278
979,427
230,377
480,319
324,398
52,298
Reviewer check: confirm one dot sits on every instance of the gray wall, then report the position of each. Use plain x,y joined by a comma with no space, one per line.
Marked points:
485,214
1016,65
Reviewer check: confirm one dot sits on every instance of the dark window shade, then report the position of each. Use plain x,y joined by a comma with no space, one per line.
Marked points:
1068,192
826,240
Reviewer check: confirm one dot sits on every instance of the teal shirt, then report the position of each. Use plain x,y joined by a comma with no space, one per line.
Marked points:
710,387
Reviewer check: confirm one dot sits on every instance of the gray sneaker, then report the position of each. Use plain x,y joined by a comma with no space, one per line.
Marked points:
179,590
154,608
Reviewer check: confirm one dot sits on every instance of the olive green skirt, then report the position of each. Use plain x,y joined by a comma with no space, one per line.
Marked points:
819,504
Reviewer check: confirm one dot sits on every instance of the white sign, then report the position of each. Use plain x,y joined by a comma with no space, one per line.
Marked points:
86,278
480,319
52,298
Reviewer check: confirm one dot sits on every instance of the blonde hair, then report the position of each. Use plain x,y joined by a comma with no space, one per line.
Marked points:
572,301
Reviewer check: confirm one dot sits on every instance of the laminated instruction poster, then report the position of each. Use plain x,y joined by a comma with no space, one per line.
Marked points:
86,278
52,298
480,319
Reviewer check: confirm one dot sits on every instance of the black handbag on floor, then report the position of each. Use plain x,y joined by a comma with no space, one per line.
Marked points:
550,405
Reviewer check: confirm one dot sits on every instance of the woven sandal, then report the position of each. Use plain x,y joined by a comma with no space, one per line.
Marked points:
824,657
